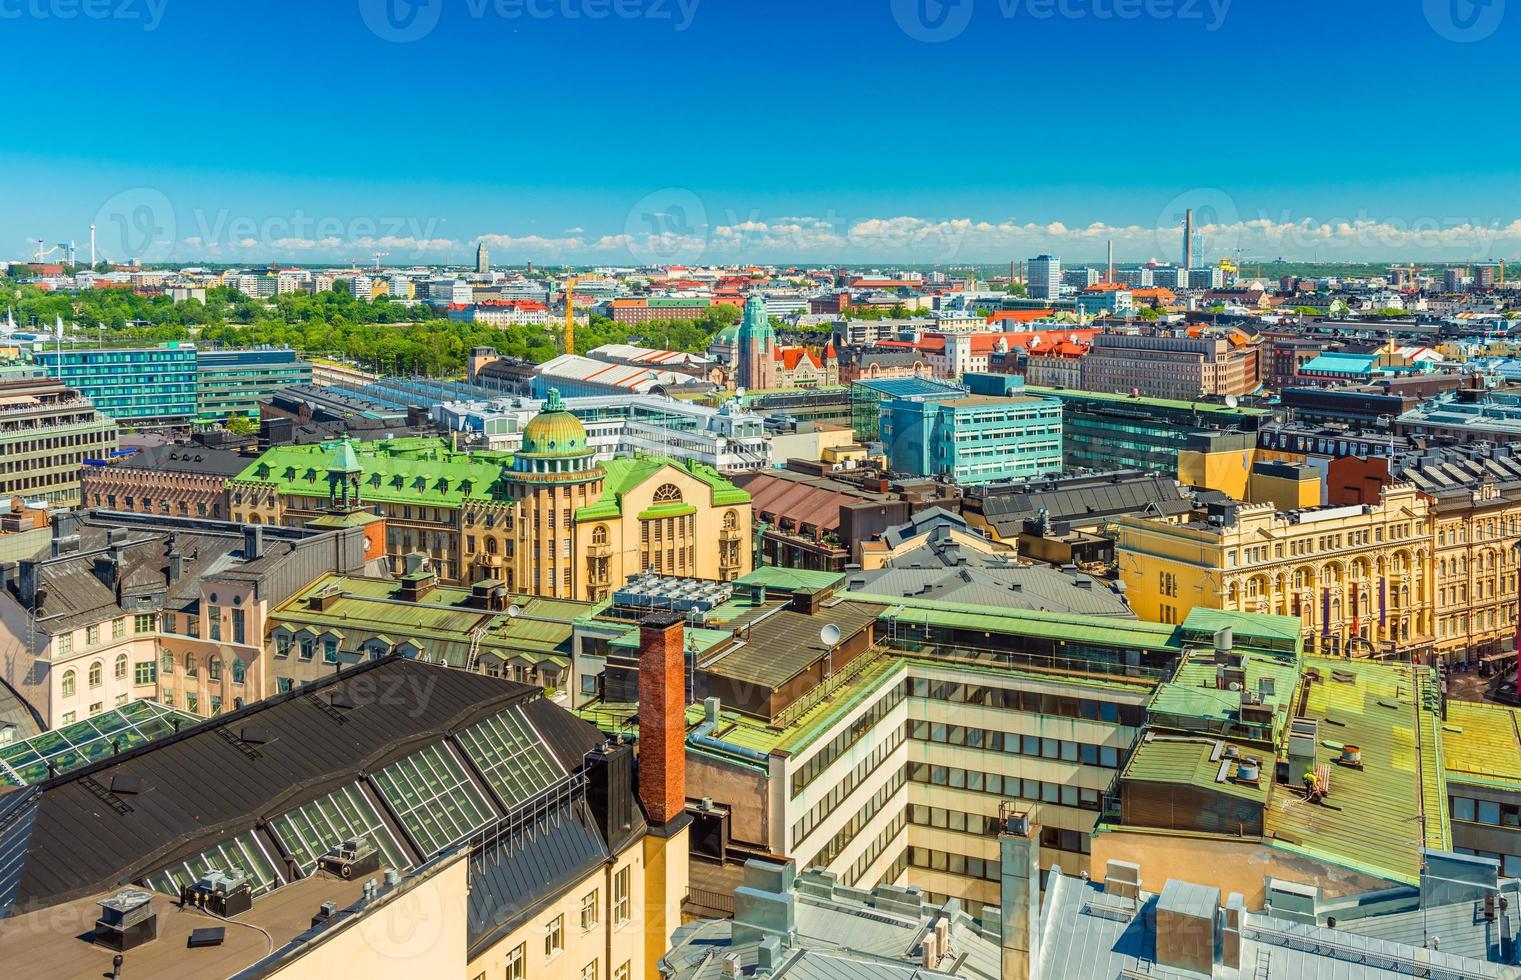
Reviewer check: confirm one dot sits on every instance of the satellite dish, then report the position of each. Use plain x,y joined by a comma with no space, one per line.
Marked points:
739,392
514,611
1231,401
829,635
1072,338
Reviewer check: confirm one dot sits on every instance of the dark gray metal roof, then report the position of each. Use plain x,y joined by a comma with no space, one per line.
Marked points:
509,883
778,646
1083,498
206,784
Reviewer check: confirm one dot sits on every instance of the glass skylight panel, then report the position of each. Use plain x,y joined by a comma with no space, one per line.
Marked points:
509,753
82,742
245,852
311,830
434,798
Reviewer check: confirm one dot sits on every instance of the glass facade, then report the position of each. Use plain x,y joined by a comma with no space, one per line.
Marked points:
230,383
131,384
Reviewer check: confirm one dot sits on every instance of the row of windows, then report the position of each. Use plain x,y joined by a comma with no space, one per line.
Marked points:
808,771
841,840
1032,702
1034,746
838,793
214,667
141,623
1005,787
1486,811
142,673
939,818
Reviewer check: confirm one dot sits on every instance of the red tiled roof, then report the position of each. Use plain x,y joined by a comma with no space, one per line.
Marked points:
791,357
1020,316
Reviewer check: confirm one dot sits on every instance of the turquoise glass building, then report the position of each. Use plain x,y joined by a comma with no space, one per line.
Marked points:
988,431
144,384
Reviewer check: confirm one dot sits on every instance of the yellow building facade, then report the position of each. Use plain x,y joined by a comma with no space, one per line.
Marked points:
1360,578
1476,538
550,520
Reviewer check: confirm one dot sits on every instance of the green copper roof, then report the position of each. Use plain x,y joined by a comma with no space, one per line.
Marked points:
790,579
408,471
1189,762
625,473
344,460
554,431
1376,825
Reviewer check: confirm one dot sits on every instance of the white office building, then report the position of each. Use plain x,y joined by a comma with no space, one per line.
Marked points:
1045,277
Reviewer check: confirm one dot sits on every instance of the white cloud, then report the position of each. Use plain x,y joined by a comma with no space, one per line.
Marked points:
910,238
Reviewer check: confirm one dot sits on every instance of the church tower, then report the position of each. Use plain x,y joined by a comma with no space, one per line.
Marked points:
755,354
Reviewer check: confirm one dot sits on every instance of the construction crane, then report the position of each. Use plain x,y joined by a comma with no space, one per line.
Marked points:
43,252
378,257
570,314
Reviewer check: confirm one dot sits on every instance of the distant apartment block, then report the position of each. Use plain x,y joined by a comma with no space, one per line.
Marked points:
1172,367
47,431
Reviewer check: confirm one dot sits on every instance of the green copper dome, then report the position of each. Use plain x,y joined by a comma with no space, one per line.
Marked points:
554,431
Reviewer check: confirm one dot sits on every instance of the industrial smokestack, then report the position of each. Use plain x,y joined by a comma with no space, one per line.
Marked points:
92,246
1110,276
1188,239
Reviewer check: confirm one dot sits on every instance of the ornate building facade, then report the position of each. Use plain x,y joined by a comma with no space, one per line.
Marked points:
1359,578
547,521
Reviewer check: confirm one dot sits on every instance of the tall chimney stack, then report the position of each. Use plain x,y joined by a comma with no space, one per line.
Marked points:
662,717
1188,239
1110,276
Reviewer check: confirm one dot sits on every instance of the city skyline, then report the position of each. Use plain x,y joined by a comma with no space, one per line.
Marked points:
1032,128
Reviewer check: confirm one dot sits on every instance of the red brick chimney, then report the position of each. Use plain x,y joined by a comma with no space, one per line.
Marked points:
662,717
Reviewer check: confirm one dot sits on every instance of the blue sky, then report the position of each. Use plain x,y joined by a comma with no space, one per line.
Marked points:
592,131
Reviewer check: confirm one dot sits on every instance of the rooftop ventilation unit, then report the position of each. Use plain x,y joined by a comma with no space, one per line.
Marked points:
351,859
127,920
223,893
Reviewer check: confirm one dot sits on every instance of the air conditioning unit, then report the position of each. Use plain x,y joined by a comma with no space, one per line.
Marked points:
224,893
351,859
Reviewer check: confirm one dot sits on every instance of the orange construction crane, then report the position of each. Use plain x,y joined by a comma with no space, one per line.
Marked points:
570,314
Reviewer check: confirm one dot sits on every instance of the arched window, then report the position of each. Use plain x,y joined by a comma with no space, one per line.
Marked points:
68,683
189,665
239,670
121,666
731,521
95,674
599,534
668,493
214,668
490,546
